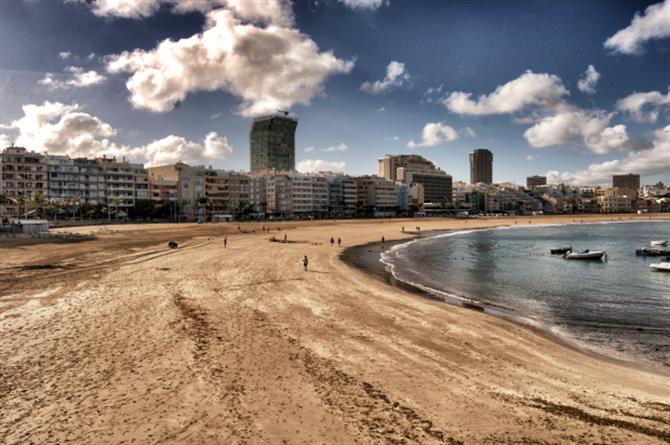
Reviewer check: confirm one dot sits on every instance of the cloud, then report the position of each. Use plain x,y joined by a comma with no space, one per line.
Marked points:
395,77
533,157
267,67
78,79
59,128
652,25
644,107
650,161
309,149
216,115
587,83
380,109
363,4
575,125
319,165
528,89
339,147
64,54
434,133
469,132
277,12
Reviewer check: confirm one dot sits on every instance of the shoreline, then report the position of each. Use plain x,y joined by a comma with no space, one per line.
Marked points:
367,258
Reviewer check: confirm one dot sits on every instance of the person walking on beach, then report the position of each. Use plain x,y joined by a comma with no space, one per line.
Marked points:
286,240
305,262
339,242
332,241
383,240
403,229
225,242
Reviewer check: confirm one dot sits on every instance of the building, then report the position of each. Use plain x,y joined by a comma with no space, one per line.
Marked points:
23,177
64,180
481,166
227,192
125,182
376,194
629,181
297,194
342,195
190,181
614,203
535,181
272,143
410,169
92,182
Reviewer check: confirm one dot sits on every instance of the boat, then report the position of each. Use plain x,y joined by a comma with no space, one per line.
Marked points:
660,267
585,255
659,242
652,251
561,250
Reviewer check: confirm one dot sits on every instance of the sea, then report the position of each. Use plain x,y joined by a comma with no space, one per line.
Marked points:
617,307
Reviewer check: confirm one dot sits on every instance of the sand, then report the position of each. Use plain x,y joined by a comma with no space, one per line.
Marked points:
122,340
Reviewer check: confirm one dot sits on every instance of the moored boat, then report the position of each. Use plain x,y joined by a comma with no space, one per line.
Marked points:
585,255
660,267
561,250
659,242
652,251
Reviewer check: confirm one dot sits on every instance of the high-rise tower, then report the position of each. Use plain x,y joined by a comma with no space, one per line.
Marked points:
272,143
481,166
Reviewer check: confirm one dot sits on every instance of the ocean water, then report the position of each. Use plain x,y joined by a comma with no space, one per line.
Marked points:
617,307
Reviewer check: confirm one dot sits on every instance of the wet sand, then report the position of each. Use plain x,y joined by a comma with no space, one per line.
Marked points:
122,340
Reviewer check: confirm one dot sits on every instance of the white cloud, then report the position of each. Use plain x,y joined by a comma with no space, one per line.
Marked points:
533,157
528,89
650,161
58,128
363,4
216,115
278,12
469,132
64,54
339,147
380,109
575,125
587,83
653,24
319,165
309,149
78,79
267,67
645,107
395,77
434,133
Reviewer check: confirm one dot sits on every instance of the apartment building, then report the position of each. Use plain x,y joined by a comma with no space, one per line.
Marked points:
297,194
23,177
342,195
376,194
64,180
227,192
410,169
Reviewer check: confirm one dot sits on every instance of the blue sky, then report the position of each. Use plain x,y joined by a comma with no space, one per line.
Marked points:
165,80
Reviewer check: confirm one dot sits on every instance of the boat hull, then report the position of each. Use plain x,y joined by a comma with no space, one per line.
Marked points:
584,256
646,251
660,267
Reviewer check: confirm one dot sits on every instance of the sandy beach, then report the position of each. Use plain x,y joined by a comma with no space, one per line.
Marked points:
122,340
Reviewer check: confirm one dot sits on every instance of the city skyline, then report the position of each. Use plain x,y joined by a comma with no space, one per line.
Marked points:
600,99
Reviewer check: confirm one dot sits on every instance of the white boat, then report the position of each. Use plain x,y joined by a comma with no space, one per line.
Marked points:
660,267
585,255
659,242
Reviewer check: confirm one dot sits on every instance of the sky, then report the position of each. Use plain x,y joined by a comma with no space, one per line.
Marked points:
576,90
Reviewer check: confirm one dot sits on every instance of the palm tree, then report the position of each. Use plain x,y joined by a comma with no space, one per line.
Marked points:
117,201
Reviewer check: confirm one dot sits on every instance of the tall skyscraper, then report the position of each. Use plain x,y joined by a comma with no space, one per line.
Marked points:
481,166
272,143
629,181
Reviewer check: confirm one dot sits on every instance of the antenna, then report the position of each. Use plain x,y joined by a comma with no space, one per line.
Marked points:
282,111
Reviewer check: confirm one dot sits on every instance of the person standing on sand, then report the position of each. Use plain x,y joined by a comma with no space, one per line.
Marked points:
383,240
225,242
332,241
339,242
402,229
286,240
305,262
